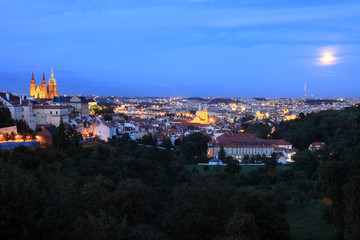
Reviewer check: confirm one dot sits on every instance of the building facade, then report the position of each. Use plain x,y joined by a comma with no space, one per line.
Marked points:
20,108
105,131
44,90
238,145
80,104
51,114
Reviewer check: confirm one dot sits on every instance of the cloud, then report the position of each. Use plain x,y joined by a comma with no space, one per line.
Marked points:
225,18
180,16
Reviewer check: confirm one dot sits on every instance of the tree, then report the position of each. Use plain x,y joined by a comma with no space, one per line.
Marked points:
201,142
67,136
189,150
271,162
242,226
352,208
262,205
232,167
332,176
23,128
95,109
5,117
177,142
246,158
200,210
107,117
247,118
305,161
167,144
101,226
130,200
222,153
149,139
263,130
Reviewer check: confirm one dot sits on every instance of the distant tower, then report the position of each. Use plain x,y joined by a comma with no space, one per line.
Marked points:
305,90
32,85
52,86
43,88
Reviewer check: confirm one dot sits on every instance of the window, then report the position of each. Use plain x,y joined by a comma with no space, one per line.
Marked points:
22,116
50,112
56,112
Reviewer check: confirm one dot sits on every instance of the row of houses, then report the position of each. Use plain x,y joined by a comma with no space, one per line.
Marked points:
40,112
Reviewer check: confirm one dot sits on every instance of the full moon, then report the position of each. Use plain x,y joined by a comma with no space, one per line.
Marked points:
327,59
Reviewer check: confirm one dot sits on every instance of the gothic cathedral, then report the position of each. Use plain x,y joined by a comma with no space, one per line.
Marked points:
44,91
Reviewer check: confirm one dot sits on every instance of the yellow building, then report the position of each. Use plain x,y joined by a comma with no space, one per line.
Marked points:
44,91
202,117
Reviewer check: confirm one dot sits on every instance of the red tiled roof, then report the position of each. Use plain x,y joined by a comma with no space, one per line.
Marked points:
278,142
317,145
109,124
241,140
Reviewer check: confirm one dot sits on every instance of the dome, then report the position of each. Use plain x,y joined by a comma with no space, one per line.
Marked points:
215,160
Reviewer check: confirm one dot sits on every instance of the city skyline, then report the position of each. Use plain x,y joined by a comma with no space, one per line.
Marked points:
183,48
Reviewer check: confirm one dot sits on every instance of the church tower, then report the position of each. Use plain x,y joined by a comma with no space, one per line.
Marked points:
52,86
32,85
43,87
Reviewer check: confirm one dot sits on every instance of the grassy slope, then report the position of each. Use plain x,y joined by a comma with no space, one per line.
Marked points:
306,222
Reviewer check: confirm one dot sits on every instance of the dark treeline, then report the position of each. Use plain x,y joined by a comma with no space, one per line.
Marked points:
334,168
120,190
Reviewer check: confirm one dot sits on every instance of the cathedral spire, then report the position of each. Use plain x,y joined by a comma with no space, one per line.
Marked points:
52,73
43,82
32,85
43,77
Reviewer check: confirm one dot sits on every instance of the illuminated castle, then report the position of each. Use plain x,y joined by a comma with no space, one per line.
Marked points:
202,117
44,91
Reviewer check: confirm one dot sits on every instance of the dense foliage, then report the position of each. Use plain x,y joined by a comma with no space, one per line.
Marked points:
5,117
336,167
121,190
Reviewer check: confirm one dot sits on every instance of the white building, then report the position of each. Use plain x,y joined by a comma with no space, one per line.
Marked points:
20,108
51,114
105,131
281,159
237,145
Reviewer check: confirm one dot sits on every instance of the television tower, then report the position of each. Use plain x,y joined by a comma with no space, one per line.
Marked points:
305,90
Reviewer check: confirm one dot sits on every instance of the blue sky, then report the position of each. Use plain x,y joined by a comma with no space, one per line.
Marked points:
229,48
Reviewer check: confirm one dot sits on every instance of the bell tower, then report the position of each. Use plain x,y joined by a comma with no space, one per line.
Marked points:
52,86
32,85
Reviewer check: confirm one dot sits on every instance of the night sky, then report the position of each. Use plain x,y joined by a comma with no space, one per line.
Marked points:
230,48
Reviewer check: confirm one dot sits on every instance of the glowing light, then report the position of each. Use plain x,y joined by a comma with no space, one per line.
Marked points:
327,59
327,201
